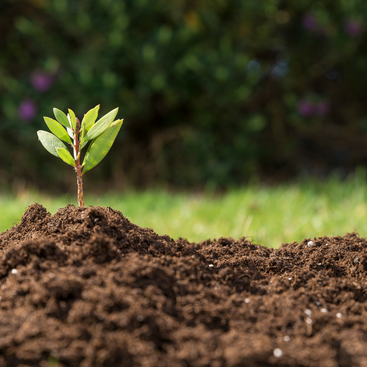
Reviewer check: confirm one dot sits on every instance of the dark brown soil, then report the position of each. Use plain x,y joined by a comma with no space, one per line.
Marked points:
86,287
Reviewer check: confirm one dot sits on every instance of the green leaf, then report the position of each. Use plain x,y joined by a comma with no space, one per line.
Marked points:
88,121
65,155
82,132
70,133
90,118
101,125
50,142
57,129
100,146
61,117
85,142
72,118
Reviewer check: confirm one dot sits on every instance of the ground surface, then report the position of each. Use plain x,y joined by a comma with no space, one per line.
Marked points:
86,287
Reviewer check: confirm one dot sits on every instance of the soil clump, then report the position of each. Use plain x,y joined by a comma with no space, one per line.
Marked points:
86,287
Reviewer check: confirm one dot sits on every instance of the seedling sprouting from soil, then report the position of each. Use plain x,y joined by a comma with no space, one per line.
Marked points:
100,134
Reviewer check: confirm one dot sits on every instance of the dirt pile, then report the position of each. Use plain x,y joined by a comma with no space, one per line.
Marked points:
86,287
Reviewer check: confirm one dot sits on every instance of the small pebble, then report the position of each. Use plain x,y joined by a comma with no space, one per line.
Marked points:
277,352
247,300
319,264
339,315
310,244
324,310
14,271
309,321
356,260
211,265
140,318
308,312
287,338
289,278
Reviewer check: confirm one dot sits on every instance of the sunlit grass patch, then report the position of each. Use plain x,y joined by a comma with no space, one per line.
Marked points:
269,216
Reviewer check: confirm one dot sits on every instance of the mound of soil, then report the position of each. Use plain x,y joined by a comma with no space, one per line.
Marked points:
86,287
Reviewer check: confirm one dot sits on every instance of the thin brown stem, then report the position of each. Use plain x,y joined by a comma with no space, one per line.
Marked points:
78,167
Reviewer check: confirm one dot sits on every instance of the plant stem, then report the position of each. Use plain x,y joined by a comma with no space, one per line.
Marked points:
78,167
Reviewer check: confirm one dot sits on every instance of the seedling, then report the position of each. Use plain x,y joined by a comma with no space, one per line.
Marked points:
100,134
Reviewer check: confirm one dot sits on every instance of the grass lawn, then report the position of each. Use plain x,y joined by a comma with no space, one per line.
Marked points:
269,215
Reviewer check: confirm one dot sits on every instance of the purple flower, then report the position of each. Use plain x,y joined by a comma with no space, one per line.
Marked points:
323,108
41,81
27,110
353,28
306,109
310,23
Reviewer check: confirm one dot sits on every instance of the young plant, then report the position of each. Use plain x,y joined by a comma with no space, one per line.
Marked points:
100,134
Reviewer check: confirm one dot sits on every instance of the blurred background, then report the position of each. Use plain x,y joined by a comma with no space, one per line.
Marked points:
214,93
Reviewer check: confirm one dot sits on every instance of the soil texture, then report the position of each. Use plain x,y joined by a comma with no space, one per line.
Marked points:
86,287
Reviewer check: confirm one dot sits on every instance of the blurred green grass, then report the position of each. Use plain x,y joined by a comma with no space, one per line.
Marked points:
270,216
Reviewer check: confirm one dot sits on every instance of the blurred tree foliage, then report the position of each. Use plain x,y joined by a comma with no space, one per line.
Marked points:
211,90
